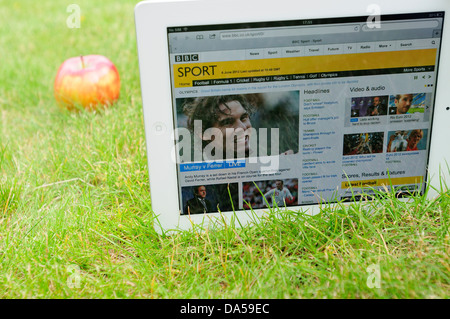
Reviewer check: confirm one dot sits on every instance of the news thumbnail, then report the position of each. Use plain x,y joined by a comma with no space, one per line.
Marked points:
408,103
201,199
369,106
404,141
363,143
258,116
278,193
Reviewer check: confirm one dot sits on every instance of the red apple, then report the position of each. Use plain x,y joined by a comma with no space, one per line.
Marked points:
90,81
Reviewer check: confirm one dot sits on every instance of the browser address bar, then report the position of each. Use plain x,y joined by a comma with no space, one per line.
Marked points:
234,35
390,26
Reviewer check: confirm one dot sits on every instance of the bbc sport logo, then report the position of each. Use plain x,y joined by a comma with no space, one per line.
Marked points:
186,58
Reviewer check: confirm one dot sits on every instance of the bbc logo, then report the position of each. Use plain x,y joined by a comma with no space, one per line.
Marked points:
186,58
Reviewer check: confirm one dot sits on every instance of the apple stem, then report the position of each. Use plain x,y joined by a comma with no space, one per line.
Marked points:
82,62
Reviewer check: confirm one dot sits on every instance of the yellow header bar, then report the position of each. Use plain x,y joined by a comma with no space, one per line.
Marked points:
186,73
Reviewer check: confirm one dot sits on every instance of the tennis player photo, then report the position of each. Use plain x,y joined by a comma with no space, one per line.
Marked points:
241,125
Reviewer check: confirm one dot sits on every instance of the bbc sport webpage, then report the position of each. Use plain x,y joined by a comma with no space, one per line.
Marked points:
318,121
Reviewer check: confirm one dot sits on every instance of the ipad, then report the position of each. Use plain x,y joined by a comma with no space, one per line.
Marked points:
256,105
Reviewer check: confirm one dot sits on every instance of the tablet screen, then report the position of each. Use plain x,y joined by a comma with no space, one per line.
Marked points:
292,113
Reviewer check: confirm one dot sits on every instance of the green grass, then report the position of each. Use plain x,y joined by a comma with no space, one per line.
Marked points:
416,110
74,197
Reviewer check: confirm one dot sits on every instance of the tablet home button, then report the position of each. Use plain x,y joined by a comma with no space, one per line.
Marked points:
159,128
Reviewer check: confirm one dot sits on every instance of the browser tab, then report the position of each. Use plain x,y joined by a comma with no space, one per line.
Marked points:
272,53
333,49
254,54
293,51
405,44
349,48
385,46
314,50
365,47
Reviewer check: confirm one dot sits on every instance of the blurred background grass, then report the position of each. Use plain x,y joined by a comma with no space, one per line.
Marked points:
64,174
74,196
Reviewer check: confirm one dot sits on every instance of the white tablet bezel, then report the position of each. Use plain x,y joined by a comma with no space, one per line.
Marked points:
152,20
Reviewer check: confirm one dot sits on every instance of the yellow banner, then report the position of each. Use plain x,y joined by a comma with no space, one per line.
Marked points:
383,181
186,73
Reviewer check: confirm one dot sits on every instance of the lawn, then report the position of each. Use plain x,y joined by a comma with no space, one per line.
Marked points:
76,218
